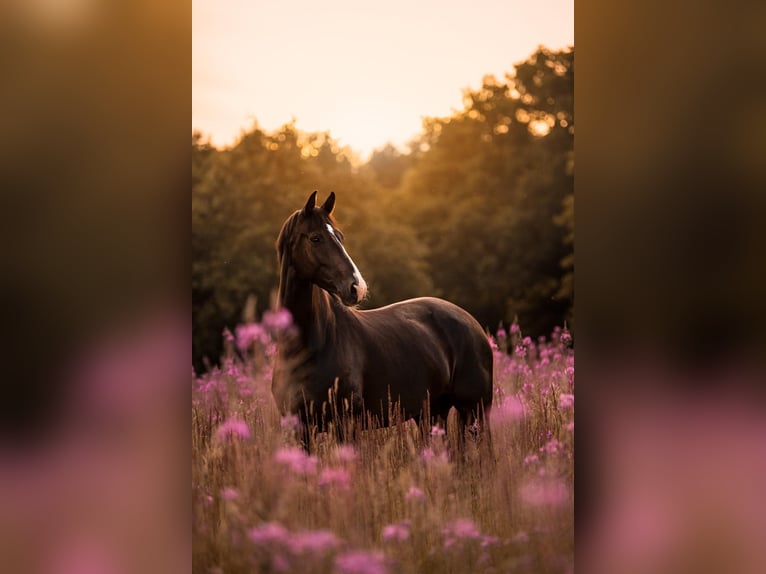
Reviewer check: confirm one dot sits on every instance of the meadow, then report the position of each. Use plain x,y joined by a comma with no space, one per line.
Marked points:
397,499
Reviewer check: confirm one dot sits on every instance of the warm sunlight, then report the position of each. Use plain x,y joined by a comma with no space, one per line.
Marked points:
367,72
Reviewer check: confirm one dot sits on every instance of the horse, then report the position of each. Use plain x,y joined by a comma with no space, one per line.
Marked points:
424,355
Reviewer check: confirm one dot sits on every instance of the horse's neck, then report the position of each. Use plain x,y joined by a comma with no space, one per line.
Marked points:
311,310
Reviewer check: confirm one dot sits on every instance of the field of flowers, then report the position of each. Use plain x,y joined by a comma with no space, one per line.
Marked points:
393,501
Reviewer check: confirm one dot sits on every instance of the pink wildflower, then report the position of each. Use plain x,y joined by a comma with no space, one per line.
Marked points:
414,493
520,351
515,329
459,531
296,459
544,493
335,477
345,453
289,422
268,533
314,542
566,338
233,428
396,532
553,446
531,459
277,321
361,562
566,401
570,427
229,494
428,455
501,334
437,431
509,409
250,333
527,388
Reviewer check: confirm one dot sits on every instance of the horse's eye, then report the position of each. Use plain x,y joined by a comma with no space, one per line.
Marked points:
316,238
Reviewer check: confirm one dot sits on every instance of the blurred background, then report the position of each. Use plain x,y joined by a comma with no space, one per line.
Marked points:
445,131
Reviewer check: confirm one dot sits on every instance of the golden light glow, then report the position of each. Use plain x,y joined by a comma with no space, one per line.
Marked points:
368,72
539,128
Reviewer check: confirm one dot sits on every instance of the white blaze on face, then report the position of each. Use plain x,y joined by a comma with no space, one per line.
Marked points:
361,287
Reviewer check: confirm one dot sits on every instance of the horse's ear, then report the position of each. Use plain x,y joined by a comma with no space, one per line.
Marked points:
329,203
310,204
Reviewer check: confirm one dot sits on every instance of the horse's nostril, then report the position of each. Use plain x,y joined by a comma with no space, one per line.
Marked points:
353,291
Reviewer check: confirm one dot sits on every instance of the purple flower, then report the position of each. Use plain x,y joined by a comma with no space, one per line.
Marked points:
566,401
531,459
459,531
396,532
509,409
268,533
296,459
544,493
437,431
233,428
290,422
361,562
414,493
229,494
515,329
335,477
527,388
277,321
314,542
429,456
566,338
553,446
345,453
250,333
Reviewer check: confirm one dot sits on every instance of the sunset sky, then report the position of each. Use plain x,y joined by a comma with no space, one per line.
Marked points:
368,72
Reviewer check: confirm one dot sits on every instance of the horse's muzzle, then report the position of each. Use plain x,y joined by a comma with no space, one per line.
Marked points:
355,294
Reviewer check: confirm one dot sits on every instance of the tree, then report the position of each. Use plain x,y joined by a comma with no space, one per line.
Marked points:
480,210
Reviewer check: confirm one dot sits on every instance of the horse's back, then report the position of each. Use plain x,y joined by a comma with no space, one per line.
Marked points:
445,336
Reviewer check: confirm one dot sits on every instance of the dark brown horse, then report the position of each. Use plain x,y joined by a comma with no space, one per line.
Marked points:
422,355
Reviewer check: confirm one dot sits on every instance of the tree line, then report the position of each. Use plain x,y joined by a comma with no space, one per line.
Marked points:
479,210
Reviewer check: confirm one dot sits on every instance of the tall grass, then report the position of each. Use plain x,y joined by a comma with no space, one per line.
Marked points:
397,499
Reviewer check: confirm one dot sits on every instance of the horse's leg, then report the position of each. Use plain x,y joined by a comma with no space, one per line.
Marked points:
464,421
484,430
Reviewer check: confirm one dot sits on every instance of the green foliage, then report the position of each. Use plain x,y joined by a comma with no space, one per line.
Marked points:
486,193
480,211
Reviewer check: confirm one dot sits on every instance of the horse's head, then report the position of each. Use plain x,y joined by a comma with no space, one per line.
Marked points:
310,244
